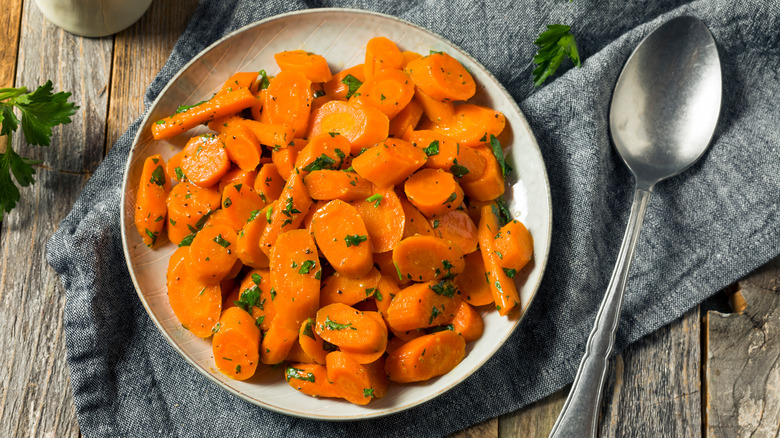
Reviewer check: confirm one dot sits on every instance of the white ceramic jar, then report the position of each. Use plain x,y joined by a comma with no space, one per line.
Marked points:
93,18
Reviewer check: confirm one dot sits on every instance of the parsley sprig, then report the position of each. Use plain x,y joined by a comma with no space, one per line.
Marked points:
40,111
555,44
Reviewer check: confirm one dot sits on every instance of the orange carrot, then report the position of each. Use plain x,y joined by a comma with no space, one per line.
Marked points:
468,322
337,88
377,377
240,203
237,176
503,288
219,106
389,162
386,289
174,167
312,344
345,327
351,378
384,218
297,354
313,66
457,227
218,217
238,80
406,120
362,126
445,153
471,125
269,184
288,101
273,135
196,305
363,357
426,357
188,205
310,379
515,246
205,160
435,111
425,258
473,281
247,249
415,223
241,144
284,159
287,213
306,224
388,91
434,192
423,305
382,54
324,151
338,288
150,204
342,237
442,77
236,343
212,254
254,295
489,185
336,184
384,262
409,57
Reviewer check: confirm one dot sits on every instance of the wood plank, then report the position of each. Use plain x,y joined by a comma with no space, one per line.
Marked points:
535,420
10,19
139,53
36,397
486,429
742,362
654,387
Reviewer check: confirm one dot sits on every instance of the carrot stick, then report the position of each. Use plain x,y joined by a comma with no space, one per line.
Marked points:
335,184
343,239
313,66
287,213
426,357
196,305
362,126
338,288
423,305
425,258
212,254
503,288
205,160
219,106
442,77
515,245
467,322
388,91
457,227
473,281
238,80
389,163
384,218
489,185
150,204
288,101
235,344
382,54
434,192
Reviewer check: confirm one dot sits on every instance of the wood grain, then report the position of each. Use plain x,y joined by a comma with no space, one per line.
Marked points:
36,398
535,420
487,428
139,53
10,18
742,362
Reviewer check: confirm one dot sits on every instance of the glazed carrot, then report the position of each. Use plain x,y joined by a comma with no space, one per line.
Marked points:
473,281
254,294
471,125
313,66
384,218
174,167
425,357
288,212
378,351
388,91
188,205
389,162
205,160
273,135
445,153
503,288
338,288
457,227
284,159
219,106
269,184
218,217
238,80
377,377
362,126
415,222
310,379
409,57
515,246
346,327
295,273
407,335
240,203
256,110
406,120
384,262
306,224
436,111
343,239
490,185
247,249
288,101
212,254
468,322
337,88
382,54
386,289
336,184
351,378
150,204
423,305
196,305
236,343
442,77
425,258
241,144
324,151
297,354
312,344
434,192
237,176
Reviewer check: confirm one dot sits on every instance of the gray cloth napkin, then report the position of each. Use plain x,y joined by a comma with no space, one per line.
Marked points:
704,229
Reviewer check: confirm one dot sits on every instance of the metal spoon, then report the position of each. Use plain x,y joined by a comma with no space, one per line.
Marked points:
663,115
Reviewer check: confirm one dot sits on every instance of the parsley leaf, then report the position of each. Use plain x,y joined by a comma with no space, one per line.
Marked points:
249,298
510,272
295,373
498,152
306,267
221,241
555,44
353,83
332,325
376,199
444,288
264,82
41,110
432,149
184,108
458,170
354,239
320,163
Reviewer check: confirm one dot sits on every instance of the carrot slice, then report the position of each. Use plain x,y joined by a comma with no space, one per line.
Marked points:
382,54
343,239
406,120
362,126
219,217
241,144
386,289
205,160
489,185
324,151
150,204
425,357
503,288
457,227
313,66
196,305
351,378
384,218
425,258
389,163
445,153
212,253
423,305
273,135
238,80
174,167
388,91
473,281
240,203
336,184
310,379
236,343
515,246
238,176
346,327
415,223
337,88
312,344
467,322
269,183
338,288
384,262
287,213
377,377
434,192
409,57
435,111
471,125
255,295
219,106
247,249
288,101
442,77
188,207
362,357
284,158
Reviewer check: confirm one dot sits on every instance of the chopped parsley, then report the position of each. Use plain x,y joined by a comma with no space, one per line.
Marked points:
264,82
158,176
498,152
510,272
221,241
320,163
354,239
376,199
295,373
453,196
332,325
444,288
306,267
184,108
353,83
432,149
249,298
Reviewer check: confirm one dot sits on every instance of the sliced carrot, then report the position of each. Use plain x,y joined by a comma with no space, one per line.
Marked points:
269,183
382,54
310,379
277,342
306,224
406,120
273,135
287,213
297,354
468,322
384,262
362,126
218,217
212,254
377,377
423,305
205,160
238,176
386,289
436,111
389,162
312,344
219,106
351,378
473,282
343,239
324,151
503,288
442,77
388,91
425,258
384,218
415,223
425,357
255,295
247,248
434,192
313,66
338,288
150,204
514,246
284,159
288,101
256,110
196,305
238,80
188,205
409,57
363,357
490,185
236,343
346,327
457,227
445,153
241,145
338,86
337,184
174,167
471,125
240,202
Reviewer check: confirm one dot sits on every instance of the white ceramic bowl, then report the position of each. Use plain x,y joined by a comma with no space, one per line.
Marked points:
339,35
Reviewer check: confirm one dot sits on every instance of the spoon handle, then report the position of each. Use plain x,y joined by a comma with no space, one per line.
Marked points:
580,412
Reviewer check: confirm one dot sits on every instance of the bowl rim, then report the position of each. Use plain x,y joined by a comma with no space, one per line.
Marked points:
371,414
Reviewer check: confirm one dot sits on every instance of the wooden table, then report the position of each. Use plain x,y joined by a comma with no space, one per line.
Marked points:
708,373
